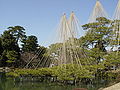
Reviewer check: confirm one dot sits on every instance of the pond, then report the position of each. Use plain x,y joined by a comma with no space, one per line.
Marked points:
12,84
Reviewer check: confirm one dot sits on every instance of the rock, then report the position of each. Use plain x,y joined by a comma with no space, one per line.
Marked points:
5,69
113,87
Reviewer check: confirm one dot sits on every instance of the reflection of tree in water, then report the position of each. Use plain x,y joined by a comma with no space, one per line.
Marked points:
2,81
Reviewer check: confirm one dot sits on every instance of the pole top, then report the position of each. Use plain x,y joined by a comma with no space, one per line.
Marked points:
72,11
64,13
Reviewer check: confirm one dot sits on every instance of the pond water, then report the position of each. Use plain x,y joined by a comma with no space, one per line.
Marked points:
11,84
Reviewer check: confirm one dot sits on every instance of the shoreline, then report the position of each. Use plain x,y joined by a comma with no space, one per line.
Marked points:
113,87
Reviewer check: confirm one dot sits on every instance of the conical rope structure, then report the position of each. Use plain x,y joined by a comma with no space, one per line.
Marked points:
68,32
116,27
98,11
32,59
67,51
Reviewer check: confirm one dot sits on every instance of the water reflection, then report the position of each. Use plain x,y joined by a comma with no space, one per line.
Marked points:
12,84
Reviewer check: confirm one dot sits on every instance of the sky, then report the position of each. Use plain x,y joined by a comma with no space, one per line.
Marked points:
41,17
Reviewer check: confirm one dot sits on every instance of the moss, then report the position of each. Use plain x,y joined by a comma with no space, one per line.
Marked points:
12,74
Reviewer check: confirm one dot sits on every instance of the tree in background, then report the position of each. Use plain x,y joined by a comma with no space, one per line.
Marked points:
9,45
33,55
13,54
18,32
30,44
1,51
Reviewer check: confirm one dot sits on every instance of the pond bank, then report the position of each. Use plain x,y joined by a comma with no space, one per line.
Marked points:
7,83
61,76
51,76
